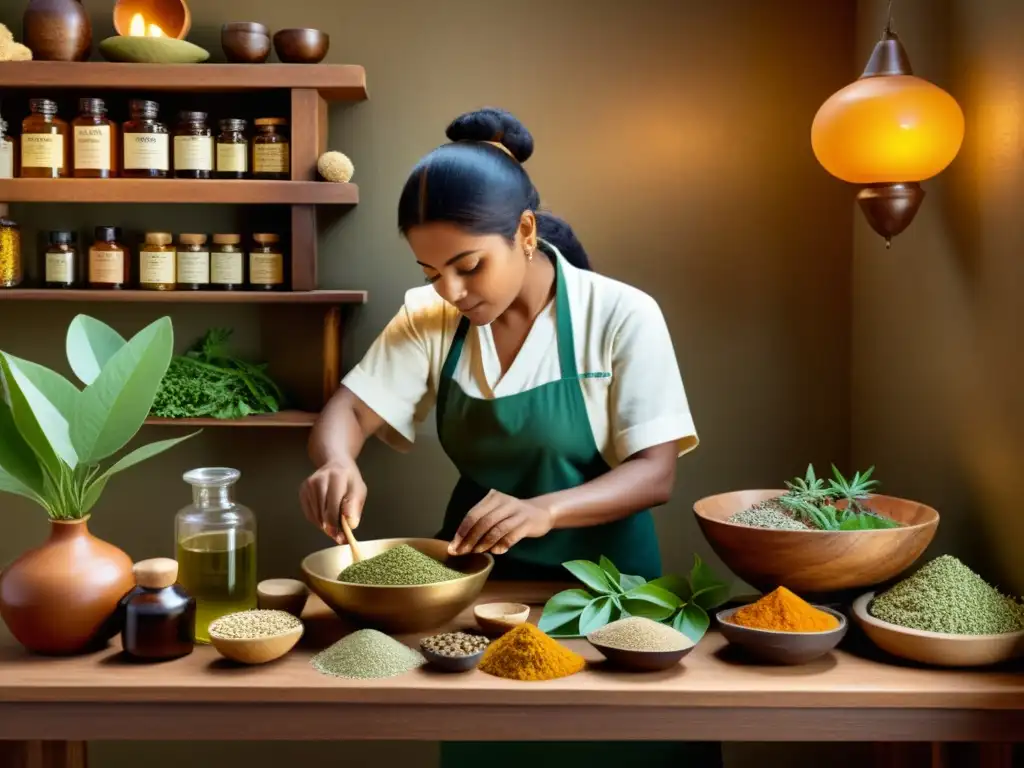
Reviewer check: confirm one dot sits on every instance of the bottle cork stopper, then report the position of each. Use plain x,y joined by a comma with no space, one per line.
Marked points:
5,210
158,238
192,239
266,238
157,573
227,239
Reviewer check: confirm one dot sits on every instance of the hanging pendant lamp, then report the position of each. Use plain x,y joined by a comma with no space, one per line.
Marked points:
887,132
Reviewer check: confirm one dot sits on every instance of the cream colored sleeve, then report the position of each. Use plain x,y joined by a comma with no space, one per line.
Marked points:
648,401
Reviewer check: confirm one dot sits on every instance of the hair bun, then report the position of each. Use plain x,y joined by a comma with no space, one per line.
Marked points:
490,124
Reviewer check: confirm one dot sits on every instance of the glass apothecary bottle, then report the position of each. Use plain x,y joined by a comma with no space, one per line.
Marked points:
44,142
227,263
109,260
8,152
193,263
146,143
232,150
271,152
61,264
216,545
266,263
94,141
11,270
158,269
193,147
158,618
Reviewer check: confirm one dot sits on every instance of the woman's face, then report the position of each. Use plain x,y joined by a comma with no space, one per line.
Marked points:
480,275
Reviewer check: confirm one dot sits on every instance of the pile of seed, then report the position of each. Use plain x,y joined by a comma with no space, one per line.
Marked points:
456,644
367,654
637,633
401,566
947,596
249,625
769,514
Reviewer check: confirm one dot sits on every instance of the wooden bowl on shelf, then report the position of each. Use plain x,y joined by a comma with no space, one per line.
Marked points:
245,42
937,648
815,562
782,647
172,16
301,46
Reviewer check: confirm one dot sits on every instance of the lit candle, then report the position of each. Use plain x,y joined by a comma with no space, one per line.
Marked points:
139,28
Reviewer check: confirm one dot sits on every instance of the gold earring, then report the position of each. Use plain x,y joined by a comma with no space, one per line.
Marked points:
529,253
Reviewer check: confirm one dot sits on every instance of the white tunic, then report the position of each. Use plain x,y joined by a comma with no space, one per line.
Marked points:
628,370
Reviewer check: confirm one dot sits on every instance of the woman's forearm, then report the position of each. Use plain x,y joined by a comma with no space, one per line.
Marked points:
341,429
645,480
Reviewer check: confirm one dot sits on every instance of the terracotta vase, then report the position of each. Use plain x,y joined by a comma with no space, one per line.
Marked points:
57,30
62,597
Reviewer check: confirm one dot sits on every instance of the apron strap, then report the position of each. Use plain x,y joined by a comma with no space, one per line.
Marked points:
448,369
563,325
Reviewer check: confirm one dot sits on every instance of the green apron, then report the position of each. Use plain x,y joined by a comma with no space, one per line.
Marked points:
528,444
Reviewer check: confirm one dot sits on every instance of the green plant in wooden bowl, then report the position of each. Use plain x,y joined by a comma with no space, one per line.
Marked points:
57,449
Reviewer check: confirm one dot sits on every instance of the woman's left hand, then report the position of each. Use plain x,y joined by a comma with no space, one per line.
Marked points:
498,523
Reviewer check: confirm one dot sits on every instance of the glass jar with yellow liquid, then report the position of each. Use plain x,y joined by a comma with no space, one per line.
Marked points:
216,544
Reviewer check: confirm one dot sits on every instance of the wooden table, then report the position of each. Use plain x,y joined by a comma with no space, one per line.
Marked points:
50,707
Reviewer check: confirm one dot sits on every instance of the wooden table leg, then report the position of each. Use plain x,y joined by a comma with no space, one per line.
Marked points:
43,754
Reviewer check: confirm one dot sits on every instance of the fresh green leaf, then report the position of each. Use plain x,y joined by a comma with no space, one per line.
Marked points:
598,613
692,621
90,345
115,405
591,574
614,577
867,523
709,591
17,460
10,484
38,420
647,609
142,453
567,631
677,585
652,593
562,608
628,582
92,495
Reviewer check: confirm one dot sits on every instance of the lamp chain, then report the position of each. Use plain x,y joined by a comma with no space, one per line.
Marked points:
888,21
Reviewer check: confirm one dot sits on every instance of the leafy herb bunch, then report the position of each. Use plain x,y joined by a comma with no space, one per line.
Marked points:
680,602
836,505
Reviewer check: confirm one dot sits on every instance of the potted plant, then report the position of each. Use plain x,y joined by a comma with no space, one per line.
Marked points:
57,448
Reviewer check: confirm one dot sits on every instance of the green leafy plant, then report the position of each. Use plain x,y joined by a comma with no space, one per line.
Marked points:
55,437
838,505
681,602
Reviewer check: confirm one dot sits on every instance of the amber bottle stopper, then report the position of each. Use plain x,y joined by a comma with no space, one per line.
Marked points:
157,573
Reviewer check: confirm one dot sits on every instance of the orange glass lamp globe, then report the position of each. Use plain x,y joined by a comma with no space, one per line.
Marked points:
880,130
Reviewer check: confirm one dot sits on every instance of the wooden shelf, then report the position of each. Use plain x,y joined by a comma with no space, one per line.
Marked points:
334,82
206,191
281,419
186,297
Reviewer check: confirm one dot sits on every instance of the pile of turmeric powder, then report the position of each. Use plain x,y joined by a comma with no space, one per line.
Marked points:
526,653
782,611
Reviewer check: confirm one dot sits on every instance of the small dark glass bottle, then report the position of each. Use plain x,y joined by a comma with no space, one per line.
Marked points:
232,150
193,147
146,146
159,618
94,141
109,260
271,151
62,266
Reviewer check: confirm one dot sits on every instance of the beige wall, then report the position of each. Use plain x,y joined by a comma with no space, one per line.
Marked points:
674,136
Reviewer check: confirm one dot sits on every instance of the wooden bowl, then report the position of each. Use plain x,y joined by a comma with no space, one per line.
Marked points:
937,648
495,619
301,46
782,647
815,562
641,661
172,16
289,595
245,42
452,663
258,651
397,609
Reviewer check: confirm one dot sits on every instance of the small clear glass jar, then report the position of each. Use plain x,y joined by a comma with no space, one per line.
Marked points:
61,263
11,269
193,147
266,263
193,263
232,150
216,546
271,152
146,148
227,263
158,618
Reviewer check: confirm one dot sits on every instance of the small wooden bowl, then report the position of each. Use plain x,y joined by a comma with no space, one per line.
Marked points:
783,647
936,648
495,619
289,595
172,16
245,42
259,650
452,663
641,661
301,46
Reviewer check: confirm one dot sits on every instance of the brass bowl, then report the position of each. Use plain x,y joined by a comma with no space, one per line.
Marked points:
397,609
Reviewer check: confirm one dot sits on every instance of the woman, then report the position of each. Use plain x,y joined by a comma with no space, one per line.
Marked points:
557,392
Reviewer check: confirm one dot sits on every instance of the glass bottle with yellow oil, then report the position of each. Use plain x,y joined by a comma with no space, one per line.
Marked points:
216,547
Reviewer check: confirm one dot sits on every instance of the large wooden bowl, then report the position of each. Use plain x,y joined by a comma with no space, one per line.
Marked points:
397,609
815,562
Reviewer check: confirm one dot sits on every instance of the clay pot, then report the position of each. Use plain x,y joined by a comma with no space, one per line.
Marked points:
57,30
62,597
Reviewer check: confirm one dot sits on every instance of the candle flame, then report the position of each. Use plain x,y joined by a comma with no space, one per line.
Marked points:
139,28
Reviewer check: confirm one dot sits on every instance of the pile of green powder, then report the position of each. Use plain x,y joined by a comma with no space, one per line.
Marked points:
367,654
401,566
947,596
768,514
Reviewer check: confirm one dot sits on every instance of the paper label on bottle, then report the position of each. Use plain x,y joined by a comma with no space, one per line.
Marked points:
156,267
193,153
266,268
106,266
42,150
146,152
194,267
226,268
60,267
270,158
92,147
6,159
232,158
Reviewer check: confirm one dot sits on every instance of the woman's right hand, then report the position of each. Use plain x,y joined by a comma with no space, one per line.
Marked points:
336,488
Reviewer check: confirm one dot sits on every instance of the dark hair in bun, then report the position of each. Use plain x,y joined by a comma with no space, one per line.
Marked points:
479,187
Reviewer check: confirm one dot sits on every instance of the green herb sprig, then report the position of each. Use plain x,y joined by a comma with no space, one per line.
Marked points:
838,505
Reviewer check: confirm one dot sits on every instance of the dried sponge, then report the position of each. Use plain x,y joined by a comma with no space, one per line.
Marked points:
334,166
10,50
